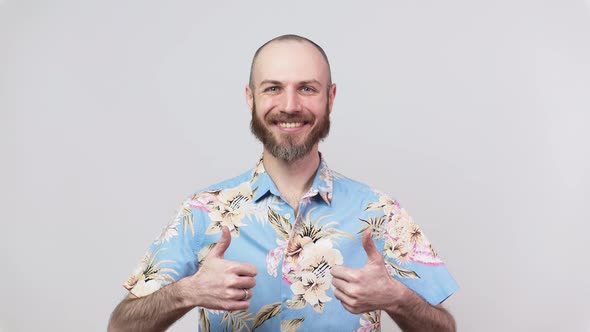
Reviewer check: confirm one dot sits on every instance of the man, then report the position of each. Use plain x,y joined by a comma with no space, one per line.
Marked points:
290,245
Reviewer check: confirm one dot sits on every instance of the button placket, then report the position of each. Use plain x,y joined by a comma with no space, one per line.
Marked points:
285,287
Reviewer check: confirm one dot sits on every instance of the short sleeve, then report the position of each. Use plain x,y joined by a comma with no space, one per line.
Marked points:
170,257
411,259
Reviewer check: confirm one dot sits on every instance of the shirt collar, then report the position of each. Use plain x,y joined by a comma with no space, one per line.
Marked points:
322,185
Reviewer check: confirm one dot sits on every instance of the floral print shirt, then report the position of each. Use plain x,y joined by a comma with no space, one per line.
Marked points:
293,252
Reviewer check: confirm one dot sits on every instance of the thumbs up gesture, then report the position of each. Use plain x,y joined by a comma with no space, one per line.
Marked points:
222,284
369,288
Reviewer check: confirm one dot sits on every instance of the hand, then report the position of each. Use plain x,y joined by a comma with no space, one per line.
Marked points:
369,288
221,284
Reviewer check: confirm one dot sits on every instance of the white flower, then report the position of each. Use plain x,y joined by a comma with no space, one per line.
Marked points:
168,232
314,278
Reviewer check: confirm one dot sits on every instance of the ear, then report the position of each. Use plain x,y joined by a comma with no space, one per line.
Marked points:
331,96
249,97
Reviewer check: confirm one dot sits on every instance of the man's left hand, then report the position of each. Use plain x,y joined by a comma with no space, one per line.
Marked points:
370,287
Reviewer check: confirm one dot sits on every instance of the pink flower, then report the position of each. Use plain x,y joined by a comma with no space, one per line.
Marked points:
365,326
289,270
201,202
373,322
273,258
424,254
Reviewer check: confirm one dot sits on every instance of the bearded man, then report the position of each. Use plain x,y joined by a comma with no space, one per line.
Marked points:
290,245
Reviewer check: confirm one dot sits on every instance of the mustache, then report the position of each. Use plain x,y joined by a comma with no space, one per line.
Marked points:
290,117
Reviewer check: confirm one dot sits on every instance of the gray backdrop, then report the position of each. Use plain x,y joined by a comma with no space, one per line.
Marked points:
473,114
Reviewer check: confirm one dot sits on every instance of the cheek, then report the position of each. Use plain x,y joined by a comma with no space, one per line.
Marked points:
318,107
264,105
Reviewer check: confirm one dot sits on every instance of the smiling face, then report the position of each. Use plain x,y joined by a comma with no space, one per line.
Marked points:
290,97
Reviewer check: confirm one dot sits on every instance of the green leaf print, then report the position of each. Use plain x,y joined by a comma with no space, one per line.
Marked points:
265,313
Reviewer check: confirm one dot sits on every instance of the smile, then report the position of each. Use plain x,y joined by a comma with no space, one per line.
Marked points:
290,124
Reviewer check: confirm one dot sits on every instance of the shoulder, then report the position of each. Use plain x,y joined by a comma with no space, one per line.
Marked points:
200,199
349,185
240,181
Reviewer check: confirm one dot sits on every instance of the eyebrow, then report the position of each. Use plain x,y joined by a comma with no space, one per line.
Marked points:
273,82
270,82
314,81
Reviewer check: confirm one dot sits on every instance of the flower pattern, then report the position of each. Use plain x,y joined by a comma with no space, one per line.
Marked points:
275,256
168,232
313,279
293,252
149,276
405,242
226,207
370,322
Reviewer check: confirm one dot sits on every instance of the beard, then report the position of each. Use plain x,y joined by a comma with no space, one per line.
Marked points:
289,150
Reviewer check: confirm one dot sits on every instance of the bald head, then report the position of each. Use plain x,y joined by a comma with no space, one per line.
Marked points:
287,39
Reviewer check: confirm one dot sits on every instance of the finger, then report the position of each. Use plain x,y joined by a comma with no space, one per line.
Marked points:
239,294
349,303
342,297
340,284
235,305
222,244
245,269
351,309
372,253
250,294
342,272
243,282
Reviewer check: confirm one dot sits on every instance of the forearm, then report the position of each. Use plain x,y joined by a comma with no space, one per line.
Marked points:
155,312
415,314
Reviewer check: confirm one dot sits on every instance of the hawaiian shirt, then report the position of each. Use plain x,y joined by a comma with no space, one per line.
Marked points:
293,252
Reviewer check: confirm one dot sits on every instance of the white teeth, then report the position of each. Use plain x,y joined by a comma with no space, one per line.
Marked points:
290,124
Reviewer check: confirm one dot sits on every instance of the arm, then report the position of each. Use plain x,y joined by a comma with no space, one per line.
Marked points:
415,314
155,312
372,288
218,284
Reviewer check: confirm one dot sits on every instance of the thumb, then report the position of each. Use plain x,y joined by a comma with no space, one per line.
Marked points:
222,244
372,252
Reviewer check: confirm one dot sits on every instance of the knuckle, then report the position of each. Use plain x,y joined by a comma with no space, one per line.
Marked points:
228,293
226,283
231,282
230,268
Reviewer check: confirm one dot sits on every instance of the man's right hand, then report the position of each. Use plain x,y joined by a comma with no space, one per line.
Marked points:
221,284
218,284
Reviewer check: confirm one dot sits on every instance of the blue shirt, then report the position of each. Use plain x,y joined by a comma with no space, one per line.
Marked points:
293,252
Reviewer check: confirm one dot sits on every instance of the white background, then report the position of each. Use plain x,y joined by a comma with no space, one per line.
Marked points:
473,114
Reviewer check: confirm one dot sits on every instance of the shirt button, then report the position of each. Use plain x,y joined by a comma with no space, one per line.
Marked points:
287,216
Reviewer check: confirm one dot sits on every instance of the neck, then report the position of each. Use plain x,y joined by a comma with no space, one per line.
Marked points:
292,178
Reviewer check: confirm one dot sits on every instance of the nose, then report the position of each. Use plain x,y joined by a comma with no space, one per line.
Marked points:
291,102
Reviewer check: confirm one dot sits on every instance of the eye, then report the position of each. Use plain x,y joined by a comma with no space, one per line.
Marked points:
272,89
307,89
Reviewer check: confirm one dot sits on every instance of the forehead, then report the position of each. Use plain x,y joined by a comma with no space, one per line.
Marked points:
290,61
